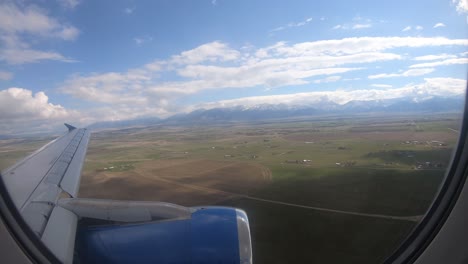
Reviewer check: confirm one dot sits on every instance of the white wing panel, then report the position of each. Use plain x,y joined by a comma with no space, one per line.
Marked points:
23,178
36,182
71,181
59,234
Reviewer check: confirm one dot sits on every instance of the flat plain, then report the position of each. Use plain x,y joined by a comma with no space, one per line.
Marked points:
324,190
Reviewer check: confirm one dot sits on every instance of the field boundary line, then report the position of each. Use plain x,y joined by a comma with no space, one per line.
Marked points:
415,218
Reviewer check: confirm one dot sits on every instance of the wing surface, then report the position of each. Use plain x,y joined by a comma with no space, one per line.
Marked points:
36,183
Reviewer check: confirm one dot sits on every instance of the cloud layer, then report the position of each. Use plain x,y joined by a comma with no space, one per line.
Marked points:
217,66
18,23
156,88
429,88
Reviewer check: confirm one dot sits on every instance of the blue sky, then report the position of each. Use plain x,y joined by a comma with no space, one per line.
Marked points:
83,61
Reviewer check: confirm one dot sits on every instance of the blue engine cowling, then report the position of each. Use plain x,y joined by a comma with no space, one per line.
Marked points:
218,235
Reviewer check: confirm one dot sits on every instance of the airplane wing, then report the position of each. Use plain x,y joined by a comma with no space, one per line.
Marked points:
44,186
36,183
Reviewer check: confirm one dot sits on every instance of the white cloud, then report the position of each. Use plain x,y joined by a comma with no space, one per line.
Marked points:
352,26
352,79
33,21
212,52
441,63
439,25
21,111
329,79
220,78
5,76
434,57
408,73
21,56
110,88
430,87
142,40
406,28
33,24
419,27
292,24
357,23
70,4
217,66
461,5
68,33
360,26
376,85
356,45
18,103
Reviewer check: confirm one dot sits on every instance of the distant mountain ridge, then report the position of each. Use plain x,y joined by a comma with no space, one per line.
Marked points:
124,123
275,111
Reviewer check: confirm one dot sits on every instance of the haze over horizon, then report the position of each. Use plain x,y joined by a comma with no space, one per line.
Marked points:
82,61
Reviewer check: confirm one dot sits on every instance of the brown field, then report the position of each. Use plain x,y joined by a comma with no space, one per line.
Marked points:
184,182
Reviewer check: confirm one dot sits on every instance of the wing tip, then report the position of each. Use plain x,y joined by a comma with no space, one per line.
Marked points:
70,127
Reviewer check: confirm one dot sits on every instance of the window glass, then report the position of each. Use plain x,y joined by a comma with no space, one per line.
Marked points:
331,123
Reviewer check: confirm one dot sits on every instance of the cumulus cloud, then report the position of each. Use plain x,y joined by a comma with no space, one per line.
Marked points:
23,111
408,73
18,104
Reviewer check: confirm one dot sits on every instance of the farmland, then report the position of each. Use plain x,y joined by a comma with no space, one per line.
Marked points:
330,189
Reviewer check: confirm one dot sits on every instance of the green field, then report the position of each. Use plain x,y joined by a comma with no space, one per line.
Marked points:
329,190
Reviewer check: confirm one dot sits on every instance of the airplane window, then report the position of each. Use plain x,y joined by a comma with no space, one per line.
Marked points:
229,131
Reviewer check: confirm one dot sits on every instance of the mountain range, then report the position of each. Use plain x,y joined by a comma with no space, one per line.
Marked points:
276,111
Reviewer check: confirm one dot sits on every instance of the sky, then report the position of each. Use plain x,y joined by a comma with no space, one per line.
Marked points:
82,61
